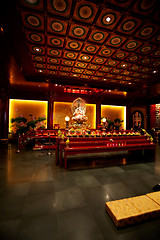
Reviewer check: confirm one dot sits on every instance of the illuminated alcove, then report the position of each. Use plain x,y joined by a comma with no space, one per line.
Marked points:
112,112
25,108
63,109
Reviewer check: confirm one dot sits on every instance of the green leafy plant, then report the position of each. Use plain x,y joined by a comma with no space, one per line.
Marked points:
21,125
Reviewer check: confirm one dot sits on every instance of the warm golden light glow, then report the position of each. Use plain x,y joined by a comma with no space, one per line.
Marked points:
104,120
113,112
19,107
67,119
61,109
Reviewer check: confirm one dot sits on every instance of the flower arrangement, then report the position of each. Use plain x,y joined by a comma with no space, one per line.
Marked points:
21,125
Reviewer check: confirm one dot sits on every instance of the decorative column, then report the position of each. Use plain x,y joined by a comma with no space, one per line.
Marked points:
50,111
98,110
4,114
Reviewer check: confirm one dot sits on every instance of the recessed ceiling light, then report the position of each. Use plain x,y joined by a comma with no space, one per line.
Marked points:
129,83
123,65
40,70
109,90
154,71
108,19
56,85
37,49
104,79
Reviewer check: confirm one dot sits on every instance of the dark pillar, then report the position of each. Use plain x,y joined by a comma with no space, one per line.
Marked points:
98,114
4,115
149,118
50,111
128,117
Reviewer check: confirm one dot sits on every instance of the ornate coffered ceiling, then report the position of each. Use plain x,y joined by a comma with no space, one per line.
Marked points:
104,43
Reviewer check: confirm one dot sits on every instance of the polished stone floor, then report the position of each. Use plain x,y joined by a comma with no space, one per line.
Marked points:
40,201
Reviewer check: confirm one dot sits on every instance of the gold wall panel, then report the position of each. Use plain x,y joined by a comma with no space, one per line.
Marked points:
27,107
63,109
112,112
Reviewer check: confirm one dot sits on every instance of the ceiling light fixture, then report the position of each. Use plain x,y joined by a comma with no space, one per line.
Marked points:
40,70
154,71
108,19
37,49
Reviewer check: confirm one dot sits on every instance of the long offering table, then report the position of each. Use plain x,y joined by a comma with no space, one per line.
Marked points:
79,145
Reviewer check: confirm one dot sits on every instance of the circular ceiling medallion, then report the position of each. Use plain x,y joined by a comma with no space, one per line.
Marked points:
65,69
70,55
53,72
135,74
120,55
158,38
131,45
35,37
146,5
119,77
146,31
94,67
37,49
106,52
85,12
144,76
78,70
135,68
73,45
56,41
68,63
52,67
38,58
116,71
146,49
147,60
105,69
90,48
95,78
99,60
81,64
88,72
85,76
157,53
59,5
54,52
133,58
57,26
145,69
39,65
85,57
78,31
116,40
108,19
32,2
128,25
99,74
112,62
64,73
53,60
98,36
33,21
156,63
126,73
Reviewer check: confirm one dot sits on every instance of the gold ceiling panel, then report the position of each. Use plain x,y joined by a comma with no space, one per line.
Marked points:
93,40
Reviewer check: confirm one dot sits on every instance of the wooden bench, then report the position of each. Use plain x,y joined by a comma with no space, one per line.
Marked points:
83,141
97,145
68,151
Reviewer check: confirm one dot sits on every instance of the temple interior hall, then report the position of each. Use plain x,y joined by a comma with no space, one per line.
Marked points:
80,120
